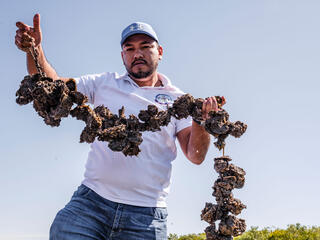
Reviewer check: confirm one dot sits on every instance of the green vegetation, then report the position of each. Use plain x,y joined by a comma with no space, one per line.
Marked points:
201,236
293,232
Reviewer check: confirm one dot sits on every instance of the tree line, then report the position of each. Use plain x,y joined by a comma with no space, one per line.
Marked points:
292,232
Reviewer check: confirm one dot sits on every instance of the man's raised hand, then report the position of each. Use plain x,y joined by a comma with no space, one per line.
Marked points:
211,104
27,35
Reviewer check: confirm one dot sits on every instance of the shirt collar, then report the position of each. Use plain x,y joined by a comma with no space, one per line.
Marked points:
163,78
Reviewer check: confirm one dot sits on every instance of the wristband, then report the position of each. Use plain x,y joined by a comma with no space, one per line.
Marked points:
197,121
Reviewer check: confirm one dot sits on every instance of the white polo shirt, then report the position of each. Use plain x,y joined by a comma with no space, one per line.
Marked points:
142,180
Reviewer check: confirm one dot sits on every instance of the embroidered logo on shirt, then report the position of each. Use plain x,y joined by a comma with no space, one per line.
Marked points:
164,99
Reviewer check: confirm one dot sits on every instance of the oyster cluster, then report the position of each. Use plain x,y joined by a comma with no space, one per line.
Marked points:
54,100
219,126
123,134
230,177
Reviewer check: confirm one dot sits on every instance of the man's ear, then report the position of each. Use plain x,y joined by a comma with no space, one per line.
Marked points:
122,56
160,51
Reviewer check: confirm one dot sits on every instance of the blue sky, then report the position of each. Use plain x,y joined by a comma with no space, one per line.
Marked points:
263,56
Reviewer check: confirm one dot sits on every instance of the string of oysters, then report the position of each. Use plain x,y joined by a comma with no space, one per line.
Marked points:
55,99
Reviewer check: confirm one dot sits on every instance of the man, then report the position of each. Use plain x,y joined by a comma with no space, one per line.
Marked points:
124,197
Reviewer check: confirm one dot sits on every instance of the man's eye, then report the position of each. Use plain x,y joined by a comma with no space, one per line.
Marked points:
129,49
146,46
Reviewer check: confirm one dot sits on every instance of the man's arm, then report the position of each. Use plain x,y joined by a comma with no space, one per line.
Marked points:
195,140
25,37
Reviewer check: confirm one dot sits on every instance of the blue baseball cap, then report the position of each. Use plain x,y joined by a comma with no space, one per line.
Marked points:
138,28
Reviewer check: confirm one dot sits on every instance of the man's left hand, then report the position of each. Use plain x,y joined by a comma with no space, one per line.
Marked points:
211,104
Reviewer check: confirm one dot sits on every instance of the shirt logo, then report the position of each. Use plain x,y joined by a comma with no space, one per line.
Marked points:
163,99
136,27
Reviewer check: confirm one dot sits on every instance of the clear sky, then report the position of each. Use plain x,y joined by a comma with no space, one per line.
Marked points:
263,56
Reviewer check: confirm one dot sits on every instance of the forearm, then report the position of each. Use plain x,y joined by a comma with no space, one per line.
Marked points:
45,66
198,144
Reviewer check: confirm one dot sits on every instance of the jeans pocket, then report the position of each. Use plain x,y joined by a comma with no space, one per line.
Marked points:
160,213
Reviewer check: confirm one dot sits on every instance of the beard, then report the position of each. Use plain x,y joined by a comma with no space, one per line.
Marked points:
142,74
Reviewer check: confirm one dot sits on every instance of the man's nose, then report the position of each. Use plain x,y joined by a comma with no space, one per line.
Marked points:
138,54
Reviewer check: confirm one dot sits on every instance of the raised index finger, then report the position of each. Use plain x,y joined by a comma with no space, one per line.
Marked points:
22,26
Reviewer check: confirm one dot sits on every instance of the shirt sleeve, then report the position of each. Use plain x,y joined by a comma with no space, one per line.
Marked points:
88,84
183,123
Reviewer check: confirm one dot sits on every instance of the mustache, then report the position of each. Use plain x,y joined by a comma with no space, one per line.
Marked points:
138,61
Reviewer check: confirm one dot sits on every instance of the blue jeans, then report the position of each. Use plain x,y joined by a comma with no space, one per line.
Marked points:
90,216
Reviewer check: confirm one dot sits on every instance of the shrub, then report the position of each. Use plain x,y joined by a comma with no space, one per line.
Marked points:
293,232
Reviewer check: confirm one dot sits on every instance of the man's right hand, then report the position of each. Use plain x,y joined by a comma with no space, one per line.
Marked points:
26,35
